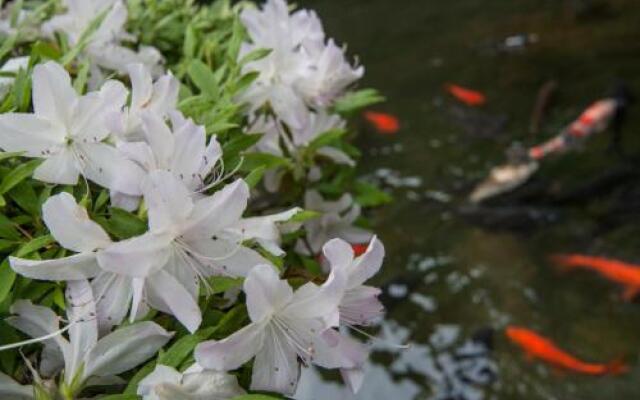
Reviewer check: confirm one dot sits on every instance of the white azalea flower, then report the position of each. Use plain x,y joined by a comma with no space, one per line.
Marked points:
70,225
12,390
301,71
336,221
67,131
359,306
159,97
266,230
13,65
104,47
286,35
188,240
165,383
83,355
181,150
327,76
285,325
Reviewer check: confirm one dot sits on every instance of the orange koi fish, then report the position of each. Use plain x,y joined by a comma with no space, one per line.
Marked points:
536,346
467,96
385,124
627,275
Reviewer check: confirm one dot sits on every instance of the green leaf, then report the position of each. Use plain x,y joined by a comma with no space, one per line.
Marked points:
122,224
241,142
203,78
121,397
237,37
190,42
7,277
34,245
256,160
246,80
8,45
8,155
326,138
255,176
368,195
7,244
7,229
24,195
255,55
180,350
304,215
81,78
17,175
45,51
355,101
256,397
220,284
22,90
132,386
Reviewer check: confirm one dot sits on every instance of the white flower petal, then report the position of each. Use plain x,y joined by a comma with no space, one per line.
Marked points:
176,297
114,293
83,334
188,153
233,351
312,301
53,96
159,137
79,266
60,168
106,166
265,229
141,85
227,257
212,154
138,305
265,292
168,201
276,368
12,390
212,385
162,374
360,306
353,378
336,155
37,321
139,256
33,135
70,225
165,95
339,253
337,350
218,211
125,348
366,265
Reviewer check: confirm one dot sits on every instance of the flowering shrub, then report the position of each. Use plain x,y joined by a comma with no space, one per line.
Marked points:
179,202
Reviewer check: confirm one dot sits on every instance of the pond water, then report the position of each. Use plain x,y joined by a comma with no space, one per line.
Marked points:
454,272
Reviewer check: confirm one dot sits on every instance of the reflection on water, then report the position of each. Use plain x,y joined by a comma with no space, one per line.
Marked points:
456,275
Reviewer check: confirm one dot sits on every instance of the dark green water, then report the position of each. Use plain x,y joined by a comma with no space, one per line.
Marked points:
446,277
